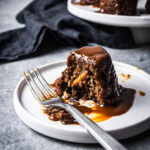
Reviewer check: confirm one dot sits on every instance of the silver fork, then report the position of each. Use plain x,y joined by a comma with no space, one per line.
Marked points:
47,97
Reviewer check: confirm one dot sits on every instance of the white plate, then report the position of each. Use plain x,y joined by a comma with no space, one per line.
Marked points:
88,13
135,121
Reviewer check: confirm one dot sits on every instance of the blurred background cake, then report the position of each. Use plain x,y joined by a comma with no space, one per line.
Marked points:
119,7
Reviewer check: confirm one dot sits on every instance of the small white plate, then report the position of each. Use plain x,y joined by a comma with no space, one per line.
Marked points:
135,121
89,13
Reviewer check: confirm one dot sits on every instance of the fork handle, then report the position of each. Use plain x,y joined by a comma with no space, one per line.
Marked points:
106,140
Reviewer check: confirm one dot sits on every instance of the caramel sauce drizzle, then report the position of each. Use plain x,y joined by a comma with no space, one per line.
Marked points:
138,68
125,77
141,93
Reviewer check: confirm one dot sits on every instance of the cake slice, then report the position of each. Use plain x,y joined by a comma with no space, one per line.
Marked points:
119,7
89,75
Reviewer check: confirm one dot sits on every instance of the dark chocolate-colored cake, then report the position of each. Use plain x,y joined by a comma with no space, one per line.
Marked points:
148,6
119,7
90,2
89,75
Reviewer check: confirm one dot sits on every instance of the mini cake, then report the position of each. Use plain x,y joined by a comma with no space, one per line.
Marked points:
89,75
119,7
148,6
90,2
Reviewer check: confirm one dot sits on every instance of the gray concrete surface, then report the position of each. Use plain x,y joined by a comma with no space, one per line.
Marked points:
14,134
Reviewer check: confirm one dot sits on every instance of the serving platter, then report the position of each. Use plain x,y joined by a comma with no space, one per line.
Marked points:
89,13
135,121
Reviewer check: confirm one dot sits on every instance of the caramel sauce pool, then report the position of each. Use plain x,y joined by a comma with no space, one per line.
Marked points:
102,113
99,113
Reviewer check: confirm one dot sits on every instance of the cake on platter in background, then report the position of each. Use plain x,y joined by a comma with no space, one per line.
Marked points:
118,7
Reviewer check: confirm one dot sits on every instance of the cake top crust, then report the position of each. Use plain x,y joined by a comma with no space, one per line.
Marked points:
97,54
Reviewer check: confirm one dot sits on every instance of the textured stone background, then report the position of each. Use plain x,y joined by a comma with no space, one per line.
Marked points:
14,135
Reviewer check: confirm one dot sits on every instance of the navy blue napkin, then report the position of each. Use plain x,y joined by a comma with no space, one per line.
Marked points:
47,23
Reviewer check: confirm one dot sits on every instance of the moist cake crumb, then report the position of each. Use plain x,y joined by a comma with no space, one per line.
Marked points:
59,114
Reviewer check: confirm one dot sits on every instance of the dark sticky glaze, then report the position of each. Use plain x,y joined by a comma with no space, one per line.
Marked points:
101,113
97,54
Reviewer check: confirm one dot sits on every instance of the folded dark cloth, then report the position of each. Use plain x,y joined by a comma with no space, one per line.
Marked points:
48,22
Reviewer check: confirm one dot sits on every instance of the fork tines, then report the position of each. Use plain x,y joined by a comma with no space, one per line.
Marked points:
38,85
